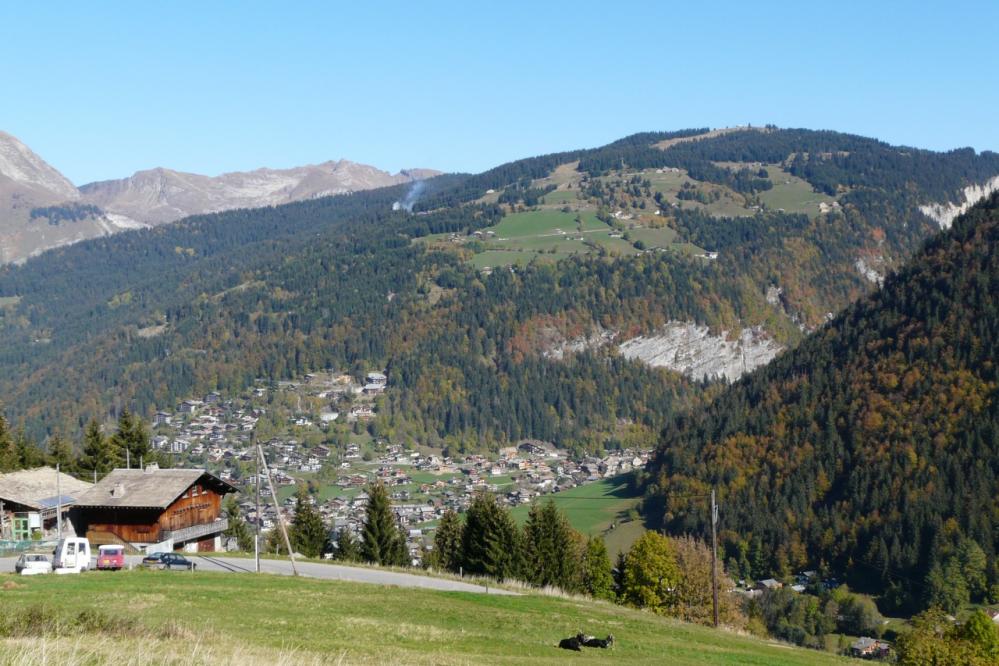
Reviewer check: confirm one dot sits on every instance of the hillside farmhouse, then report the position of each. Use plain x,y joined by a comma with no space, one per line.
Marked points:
155,509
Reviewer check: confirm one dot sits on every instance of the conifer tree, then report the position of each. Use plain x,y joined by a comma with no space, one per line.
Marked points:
491,543
347,547
382,542
8,454
61,454
551,552
618,572
238,529
100,454
29,456
132,438
596,576
447,543
308,534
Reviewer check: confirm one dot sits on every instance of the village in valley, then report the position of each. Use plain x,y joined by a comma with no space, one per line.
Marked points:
313,432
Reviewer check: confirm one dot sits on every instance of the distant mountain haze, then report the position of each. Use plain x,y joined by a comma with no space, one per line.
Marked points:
41,209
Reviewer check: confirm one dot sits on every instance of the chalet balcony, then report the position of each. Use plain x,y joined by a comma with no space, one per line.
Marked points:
195,531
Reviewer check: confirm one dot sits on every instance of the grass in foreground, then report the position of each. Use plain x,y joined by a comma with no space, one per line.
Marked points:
272,619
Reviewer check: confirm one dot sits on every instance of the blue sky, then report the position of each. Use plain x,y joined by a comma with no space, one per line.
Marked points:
101,90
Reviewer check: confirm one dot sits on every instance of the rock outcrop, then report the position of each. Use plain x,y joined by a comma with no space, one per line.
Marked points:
944,214
691,349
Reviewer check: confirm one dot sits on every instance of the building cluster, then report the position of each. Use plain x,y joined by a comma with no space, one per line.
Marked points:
297,418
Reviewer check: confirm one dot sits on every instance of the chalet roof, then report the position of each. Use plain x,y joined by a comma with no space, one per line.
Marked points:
36,488
148,488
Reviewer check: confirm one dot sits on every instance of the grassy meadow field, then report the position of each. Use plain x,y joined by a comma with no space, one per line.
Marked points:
599,508
205,618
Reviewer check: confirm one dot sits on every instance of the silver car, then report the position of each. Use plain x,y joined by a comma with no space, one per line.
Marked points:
29,564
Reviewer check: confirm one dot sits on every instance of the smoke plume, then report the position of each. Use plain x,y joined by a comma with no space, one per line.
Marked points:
408,201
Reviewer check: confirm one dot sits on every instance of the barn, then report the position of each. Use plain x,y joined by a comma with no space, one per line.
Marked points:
30,500
154,510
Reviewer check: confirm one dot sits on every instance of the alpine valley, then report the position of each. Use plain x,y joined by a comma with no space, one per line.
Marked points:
804,319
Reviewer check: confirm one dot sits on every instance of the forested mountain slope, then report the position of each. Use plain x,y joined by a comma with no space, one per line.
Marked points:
872,448
499,305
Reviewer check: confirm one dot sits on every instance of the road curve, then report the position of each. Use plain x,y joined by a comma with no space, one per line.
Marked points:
317,570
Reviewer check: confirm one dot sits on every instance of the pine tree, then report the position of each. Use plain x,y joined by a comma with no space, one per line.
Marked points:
347,547
382,542
29,456
491,543
308,534
132,438
238,529
100,454
446,555
620,567
551,551
61,454
8,454
596,576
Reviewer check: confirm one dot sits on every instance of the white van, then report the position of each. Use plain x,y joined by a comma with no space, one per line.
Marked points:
72,555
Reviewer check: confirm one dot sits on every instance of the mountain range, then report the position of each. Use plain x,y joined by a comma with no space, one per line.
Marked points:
574,297
40,209
805,320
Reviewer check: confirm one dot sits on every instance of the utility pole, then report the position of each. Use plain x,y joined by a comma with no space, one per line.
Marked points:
256,522
58,503
714,556
277,506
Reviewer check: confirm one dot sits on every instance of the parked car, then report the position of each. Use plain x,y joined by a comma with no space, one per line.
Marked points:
111,557
29,564
168,561
152,559
72,555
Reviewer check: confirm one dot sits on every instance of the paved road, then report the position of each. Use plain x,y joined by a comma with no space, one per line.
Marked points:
316,570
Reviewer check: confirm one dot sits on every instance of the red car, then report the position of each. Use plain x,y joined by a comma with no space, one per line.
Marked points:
111,557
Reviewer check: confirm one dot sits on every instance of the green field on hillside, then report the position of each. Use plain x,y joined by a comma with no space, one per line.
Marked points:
731,204
244,619
546,235
538,222
792,194
593,509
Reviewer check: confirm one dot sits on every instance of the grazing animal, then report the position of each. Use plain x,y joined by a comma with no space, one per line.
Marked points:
592,641
571,644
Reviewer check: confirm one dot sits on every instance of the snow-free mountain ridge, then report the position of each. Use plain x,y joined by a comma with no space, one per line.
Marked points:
28,185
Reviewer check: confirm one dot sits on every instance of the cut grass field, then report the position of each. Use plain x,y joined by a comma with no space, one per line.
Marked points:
792,194
593,509
546,235
228,618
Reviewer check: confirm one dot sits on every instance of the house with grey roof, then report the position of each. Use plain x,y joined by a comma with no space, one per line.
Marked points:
32,500
154,510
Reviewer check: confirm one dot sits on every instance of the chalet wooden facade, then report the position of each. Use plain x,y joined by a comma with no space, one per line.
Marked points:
155,509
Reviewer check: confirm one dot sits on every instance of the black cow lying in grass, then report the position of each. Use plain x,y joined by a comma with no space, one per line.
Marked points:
593,641
579,641
571,643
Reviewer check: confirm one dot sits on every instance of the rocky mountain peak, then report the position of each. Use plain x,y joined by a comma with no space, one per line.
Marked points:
21,165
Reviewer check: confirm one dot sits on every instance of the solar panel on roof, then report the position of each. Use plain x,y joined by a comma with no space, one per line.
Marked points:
55,500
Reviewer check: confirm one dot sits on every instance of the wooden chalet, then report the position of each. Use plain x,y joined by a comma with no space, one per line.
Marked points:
154,510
